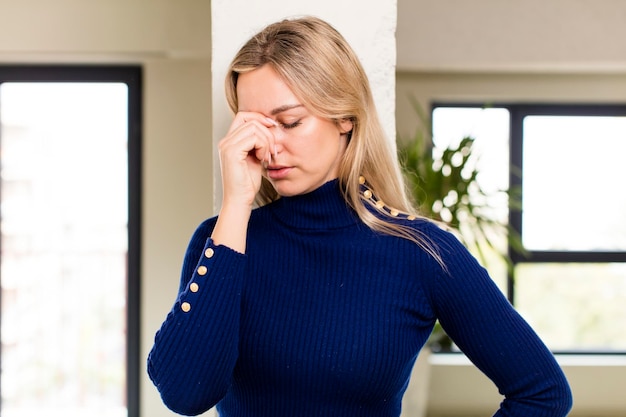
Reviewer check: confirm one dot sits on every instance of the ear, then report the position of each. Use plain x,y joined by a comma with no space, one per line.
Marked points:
345,126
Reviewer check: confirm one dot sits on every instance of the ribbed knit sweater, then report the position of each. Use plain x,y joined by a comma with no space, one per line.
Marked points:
324,317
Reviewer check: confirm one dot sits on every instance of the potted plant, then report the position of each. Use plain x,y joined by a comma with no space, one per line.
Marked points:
444,185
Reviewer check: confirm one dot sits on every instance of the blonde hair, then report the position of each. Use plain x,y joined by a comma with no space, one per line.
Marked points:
323,71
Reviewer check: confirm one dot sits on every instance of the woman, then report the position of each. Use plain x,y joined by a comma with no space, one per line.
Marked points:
317,302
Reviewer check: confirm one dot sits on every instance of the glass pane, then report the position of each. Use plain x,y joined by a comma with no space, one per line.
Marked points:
574,306
573,183
490,129
64,246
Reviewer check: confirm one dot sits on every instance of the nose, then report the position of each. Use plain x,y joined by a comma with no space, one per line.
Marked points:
279,139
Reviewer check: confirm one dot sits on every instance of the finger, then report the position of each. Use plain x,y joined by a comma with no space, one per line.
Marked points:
242,118
248,142
255,130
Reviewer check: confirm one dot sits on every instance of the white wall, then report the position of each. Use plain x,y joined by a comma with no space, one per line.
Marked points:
110,30
496,35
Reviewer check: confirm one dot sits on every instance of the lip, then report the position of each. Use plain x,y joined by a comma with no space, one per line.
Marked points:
277,172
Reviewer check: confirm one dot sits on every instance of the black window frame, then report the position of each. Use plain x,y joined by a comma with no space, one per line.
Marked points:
517,113
132,76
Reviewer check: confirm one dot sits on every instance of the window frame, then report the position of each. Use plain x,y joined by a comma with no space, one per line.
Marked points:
131,75
517,113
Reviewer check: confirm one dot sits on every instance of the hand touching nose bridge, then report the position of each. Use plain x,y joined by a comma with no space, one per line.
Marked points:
274,124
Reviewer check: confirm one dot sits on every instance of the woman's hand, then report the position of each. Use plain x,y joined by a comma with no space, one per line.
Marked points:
243,152
246,148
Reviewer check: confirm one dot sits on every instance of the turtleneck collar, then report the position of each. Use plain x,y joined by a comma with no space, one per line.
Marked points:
323,208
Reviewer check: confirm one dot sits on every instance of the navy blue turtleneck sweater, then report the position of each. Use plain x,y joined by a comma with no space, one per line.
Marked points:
324,317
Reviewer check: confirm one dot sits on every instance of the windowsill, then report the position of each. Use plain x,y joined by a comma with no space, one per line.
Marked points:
564,359
458,388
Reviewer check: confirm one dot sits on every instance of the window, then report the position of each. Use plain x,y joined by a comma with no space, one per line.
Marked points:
567,161
69,265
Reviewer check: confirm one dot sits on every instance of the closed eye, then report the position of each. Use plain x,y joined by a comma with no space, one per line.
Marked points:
291,125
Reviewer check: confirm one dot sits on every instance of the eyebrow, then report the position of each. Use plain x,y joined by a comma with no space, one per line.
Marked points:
284,108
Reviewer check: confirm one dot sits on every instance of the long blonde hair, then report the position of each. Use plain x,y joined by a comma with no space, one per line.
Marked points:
323,71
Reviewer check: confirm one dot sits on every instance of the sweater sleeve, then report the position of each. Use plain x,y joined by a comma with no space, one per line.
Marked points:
488,330
195,350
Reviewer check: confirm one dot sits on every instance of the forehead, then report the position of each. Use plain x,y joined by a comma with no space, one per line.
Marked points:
263,90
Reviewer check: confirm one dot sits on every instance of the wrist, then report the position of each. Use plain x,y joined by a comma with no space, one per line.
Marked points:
231,227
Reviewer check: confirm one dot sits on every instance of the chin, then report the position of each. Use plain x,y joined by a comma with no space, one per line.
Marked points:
289,189
287,192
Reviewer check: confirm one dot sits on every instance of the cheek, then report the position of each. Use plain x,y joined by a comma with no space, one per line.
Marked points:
313,143
302,141
319,139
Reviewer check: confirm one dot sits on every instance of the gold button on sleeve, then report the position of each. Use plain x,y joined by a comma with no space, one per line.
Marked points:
202,270
209,253
185,307
193,287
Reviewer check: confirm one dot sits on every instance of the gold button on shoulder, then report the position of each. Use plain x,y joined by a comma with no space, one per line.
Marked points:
411,217
185,307
209,253
394,212
193,287
202,270
361,180
367,194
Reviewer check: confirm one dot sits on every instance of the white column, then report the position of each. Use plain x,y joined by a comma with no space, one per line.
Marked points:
368,25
